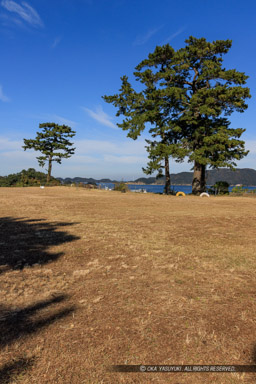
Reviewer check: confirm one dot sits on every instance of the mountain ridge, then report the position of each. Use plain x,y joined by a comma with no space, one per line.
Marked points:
244,176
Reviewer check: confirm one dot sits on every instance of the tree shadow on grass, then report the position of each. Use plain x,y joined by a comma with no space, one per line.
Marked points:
254,354
27,242
15,368
18,324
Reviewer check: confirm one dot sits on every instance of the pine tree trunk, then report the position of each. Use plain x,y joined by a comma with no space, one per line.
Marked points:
199,181
167,176
49,170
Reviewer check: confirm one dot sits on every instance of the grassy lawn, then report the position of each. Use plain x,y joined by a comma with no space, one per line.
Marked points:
93,278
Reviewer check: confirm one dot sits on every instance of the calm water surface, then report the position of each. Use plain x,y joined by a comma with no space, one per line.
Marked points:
160,188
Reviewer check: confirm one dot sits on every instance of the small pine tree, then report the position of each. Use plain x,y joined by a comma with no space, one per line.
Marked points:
53,143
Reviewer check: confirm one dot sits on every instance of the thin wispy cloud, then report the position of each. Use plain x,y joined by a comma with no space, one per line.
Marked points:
52,117
96,158
8,145
3,97
107,147
143,39
171,37
24,11
100,116
7,20
56,42
62,120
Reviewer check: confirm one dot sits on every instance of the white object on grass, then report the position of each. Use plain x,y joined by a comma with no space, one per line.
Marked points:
42,186
204,194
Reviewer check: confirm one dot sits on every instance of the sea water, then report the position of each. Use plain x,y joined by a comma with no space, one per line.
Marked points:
160,188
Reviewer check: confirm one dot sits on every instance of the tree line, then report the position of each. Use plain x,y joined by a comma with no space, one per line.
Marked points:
185,100
27,178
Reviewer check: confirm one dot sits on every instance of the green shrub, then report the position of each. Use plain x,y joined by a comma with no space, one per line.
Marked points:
122,187
219,188
239,190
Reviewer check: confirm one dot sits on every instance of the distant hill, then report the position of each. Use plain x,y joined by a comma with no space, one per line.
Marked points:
245,176
27,178
176,178
75,180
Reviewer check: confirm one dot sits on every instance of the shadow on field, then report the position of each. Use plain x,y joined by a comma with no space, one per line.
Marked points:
19,323
26,242
16,324
14,368
254,354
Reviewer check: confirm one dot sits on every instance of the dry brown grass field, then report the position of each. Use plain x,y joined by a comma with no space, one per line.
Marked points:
91,278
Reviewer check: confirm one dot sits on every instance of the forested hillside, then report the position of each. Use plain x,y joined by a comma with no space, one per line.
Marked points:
26,179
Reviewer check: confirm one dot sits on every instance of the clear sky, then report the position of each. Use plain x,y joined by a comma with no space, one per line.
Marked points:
59,57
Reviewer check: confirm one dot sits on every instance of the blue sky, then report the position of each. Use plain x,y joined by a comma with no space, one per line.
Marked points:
59,57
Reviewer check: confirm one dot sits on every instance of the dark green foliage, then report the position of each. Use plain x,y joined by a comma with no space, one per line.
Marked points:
187,99
219,188
156,106
121,186
27,178
53,142
210,94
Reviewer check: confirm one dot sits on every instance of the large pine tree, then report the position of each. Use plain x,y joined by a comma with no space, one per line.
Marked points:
187,97
210,94
155,105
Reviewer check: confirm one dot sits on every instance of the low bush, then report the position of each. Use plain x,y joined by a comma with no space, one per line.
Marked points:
122,187
239,190
219,188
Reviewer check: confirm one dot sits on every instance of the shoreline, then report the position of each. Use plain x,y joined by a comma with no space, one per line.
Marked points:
187,185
